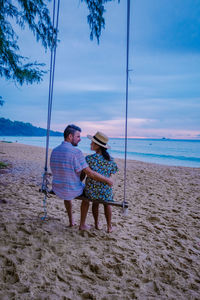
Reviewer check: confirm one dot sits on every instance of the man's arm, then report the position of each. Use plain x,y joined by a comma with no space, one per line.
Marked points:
98,177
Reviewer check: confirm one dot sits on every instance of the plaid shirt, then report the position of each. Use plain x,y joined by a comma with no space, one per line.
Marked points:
66,164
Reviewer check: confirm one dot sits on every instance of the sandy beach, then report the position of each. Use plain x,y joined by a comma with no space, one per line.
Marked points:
153,253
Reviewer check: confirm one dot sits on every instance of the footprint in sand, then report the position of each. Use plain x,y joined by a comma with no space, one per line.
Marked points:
9,271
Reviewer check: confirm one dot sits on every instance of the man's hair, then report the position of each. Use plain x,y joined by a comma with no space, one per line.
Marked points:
70,129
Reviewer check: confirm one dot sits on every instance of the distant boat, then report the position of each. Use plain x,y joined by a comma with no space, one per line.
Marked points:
164,138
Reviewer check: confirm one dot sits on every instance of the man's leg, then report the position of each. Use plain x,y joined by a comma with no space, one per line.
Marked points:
108,215
68,206
95,212
84,209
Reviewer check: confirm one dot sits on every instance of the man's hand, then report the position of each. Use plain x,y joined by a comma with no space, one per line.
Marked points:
110,182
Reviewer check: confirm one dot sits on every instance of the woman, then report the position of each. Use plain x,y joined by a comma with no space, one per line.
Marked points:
102,163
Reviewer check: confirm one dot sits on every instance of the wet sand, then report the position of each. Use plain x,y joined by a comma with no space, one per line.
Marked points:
153,253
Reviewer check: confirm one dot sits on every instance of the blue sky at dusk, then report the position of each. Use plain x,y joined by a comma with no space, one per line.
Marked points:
89,89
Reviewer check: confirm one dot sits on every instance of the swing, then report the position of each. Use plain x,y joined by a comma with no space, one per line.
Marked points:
45,181
123,204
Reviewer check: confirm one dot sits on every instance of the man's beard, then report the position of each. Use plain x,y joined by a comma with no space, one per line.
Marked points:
74,144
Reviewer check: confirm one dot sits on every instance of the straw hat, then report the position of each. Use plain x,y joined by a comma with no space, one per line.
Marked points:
100,139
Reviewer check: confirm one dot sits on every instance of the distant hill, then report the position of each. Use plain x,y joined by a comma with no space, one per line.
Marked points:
16,128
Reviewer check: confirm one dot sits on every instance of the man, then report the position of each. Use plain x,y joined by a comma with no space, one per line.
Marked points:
67,162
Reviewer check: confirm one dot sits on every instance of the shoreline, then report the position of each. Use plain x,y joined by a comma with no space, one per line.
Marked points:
116,158
152,253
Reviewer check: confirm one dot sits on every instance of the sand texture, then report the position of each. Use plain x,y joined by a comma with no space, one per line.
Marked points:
153,253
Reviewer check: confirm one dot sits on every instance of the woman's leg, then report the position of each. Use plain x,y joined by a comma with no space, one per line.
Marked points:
108,215
95,212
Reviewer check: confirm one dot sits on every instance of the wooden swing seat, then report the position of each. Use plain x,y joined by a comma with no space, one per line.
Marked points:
113,203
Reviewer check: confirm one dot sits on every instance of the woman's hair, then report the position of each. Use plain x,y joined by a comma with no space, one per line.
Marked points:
105,153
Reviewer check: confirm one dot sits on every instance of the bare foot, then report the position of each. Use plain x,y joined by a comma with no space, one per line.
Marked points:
97,227
72,224
84,227
109,229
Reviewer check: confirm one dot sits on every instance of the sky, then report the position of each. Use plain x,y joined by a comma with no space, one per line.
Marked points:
89,87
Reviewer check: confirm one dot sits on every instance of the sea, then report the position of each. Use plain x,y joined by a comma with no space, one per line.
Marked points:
169,152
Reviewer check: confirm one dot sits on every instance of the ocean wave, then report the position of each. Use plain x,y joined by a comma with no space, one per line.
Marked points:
160,156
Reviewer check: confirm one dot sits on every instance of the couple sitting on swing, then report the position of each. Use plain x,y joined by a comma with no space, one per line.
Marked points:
69,167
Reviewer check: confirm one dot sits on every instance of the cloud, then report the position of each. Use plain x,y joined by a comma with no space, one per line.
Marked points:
114,128
163,132
172,26
137,128
78,86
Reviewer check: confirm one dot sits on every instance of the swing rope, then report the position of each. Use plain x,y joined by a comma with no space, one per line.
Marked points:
126,115
51,79
50,98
